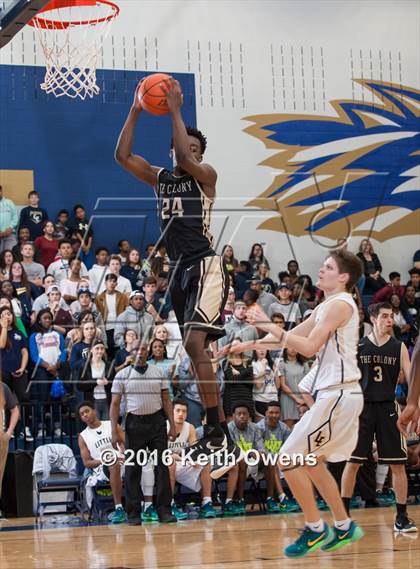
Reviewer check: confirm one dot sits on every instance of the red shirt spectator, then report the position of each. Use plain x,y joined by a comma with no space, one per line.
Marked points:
393,287
47,245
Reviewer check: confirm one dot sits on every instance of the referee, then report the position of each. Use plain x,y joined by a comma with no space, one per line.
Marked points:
148,407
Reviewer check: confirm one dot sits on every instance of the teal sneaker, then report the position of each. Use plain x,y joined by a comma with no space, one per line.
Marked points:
272,506
390,497
321,504
118,517
309,541
150,515
343,537
178,513
230,509
384,499
240,507
208,511
288,505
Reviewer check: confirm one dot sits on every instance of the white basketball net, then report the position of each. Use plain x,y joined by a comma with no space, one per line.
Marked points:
72,53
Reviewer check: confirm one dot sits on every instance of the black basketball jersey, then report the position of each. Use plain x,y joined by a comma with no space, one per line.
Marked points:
184,213
380,367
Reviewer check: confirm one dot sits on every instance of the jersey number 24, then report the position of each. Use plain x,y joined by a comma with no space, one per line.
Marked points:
172,209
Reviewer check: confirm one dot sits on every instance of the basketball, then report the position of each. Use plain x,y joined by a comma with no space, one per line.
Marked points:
152,96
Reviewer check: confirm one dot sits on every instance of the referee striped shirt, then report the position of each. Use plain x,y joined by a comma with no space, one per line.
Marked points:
142,390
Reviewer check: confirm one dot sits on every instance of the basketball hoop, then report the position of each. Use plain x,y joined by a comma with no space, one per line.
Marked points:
71,33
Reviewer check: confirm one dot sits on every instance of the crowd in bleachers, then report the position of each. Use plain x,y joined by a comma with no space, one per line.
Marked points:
70,315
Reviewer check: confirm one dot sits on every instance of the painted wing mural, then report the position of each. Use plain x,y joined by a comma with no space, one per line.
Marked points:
355,172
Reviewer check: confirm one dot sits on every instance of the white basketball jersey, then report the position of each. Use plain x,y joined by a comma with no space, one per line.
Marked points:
181,441
336,361
98,439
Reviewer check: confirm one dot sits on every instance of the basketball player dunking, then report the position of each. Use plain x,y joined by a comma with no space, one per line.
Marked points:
198,278
329,429
381,359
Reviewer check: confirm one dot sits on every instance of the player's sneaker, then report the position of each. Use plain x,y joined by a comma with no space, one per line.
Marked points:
118,517
150,515
178,513
212,442
229,509
343,537
207,511
288,505
225,460
272,506
404,525
308,541
240,507
385,499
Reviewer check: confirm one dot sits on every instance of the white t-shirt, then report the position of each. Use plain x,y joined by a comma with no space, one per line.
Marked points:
291,312
69,288
98,439
98,373
268,391
60,270
123,284
111,303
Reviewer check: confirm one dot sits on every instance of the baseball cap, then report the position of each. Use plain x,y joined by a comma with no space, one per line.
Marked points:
284,285
83,291
136,293
53,288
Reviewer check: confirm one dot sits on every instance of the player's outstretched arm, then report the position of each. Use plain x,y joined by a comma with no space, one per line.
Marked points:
136,165
186,160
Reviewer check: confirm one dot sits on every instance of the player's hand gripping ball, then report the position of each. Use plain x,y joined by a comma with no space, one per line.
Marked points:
152,94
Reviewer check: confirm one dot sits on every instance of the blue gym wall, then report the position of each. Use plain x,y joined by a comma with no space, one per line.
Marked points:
69,144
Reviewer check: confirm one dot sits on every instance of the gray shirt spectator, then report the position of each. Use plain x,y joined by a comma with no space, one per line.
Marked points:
134,318
238,327
291,311
273,437
142,388
251,435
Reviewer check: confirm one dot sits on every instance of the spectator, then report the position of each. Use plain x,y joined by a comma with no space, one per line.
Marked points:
62,319
285,306
293,269
9,403
33,216
309,291
410,303
365,328
229,259
246,436
393,287
291,371
62,227
123,284
60,269
124,248
372,267
238,382
284,277
8,292
82,231
266,381
134,317
25,290
47,245
415,280
23,237
162,332
238,328
265,299
256,257
229,306
242,277
85,303
157,266
194,477
76,334
34,271
48,356
71,285
8,223
274,433
401,319
186,382
80,350
159,357
99,270
123,357
157,305
6,260
263,274
111,304
277,354
132,270
298,297
41,301
94,377
14,357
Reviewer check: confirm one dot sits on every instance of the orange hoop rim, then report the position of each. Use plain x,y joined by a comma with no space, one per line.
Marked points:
39,22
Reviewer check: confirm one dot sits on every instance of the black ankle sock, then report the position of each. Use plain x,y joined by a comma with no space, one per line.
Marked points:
212,414
346,502
401,510
224,426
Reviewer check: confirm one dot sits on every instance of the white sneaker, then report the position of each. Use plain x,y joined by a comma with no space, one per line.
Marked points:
28,434
58,432
40,434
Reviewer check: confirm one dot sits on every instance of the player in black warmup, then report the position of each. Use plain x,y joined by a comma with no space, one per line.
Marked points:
381,359
198,280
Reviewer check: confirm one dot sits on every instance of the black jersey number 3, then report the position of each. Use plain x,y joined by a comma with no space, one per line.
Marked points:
172,209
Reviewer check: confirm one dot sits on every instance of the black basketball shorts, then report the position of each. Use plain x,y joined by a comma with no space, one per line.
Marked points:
199,293
380,419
